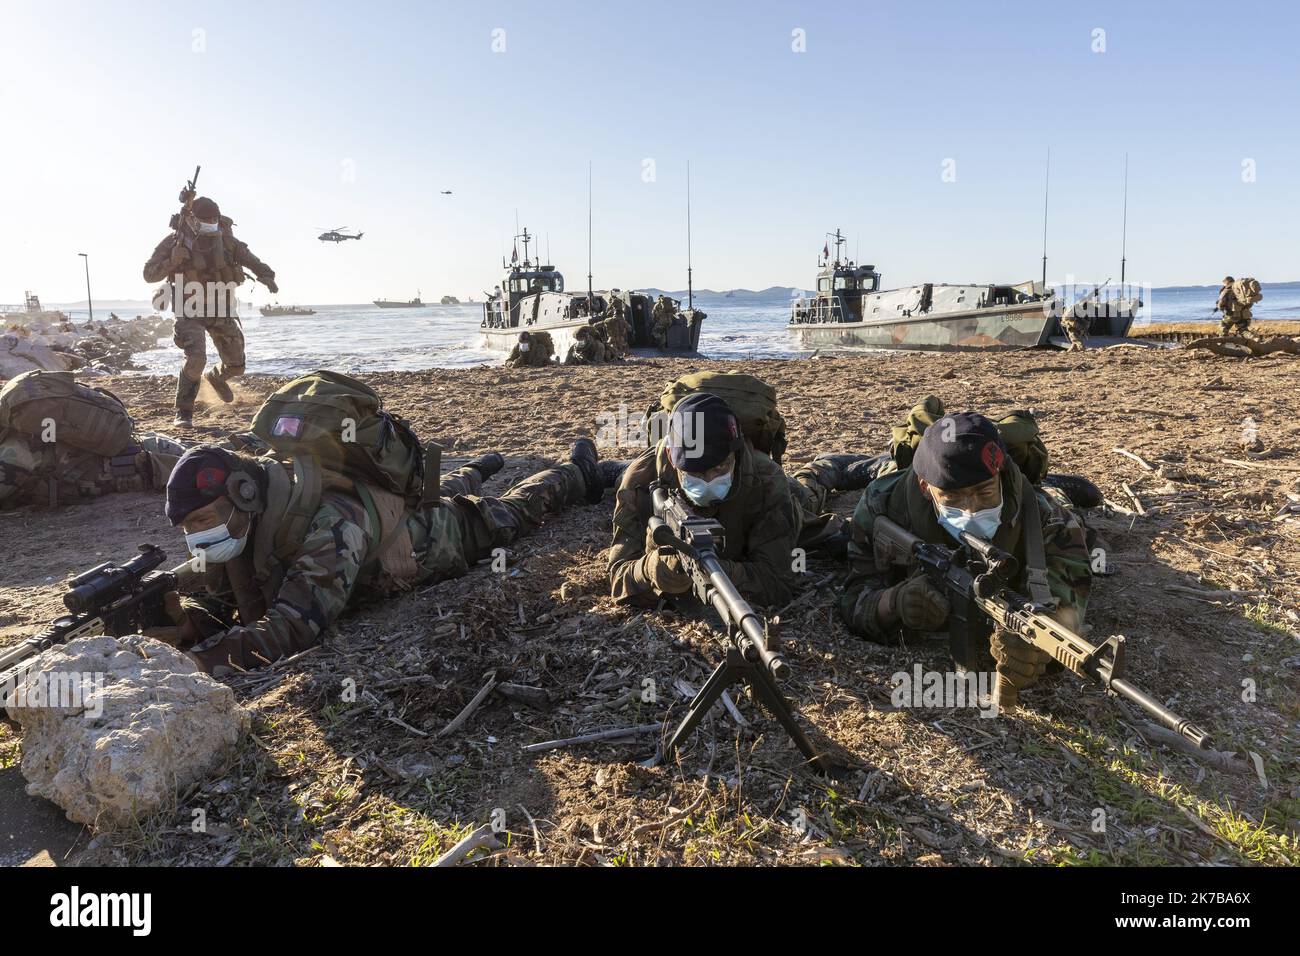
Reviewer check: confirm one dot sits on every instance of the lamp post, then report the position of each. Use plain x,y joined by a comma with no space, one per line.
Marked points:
89,303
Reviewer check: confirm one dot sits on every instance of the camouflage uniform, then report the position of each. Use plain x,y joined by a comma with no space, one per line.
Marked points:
586,350
1076,328
761,520
538,355
618,333
214,259
662,321
251,622
811,486
1236,315
899,497
32,472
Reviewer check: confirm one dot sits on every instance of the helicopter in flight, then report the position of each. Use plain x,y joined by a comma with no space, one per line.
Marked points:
337,235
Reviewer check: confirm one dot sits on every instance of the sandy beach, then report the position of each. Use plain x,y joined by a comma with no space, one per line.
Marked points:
1206,585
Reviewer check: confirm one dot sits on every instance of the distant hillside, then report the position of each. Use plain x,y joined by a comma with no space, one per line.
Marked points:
779,294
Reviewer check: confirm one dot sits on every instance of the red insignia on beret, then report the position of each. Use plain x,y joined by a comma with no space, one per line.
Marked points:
992,456
209,477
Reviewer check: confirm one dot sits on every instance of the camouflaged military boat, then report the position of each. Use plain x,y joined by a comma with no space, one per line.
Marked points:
849,309
531,297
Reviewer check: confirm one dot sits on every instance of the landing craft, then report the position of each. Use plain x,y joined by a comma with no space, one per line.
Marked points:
337,235
849,308
531,297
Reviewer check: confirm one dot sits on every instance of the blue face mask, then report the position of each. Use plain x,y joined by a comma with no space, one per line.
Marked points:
703,492
982,524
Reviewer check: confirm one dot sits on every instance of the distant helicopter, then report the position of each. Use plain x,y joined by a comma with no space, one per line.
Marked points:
446,192
337,235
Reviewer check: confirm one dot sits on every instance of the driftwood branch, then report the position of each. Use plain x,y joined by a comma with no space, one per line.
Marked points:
469,708
1128,454
1223,760
681,815
614,734
1239,346
538,697
482,838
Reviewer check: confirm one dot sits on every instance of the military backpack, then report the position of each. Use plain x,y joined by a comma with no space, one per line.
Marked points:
330,431
1246,291
85,418
341,423
1019,431
752,399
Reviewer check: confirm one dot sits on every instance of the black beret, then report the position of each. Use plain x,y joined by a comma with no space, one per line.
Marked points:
198,479
959,451
702,432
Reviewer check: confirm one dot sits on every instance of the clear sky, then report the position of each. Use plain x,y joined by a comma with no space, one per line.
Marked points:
920,129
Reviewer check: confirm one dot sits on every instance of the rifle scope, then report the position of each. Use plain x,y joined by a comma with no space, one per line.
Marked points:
106,582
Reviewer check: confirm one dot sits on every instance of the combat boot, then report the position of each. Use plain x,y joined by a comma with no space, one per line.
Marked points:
183,419
487,465
612,472
1081,492
219,385
585,456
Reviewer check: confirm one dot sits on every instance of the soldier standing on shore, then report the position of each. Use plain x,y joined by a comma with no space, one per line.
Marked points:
201,264
662,321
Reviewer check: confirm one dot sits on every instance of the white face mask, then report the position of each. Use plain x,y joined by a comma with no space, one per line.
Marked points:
208,228
703,492
217,544
524,346
982,524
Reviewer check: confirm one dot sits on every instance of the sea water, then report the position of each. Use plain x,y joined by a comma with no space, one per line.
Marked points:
364,338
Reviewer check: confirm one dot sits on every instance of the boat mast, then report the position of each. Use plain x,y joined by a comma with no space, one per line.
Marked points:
1047,181
1123,246
690,288
591,300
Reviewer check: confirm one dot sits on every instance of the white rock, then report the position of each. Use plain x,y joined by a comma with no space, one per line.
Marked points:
149,724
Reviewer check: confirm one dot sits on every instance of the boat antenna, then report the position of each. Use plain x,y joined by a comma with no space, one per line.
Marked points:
590,297
1046,184
1123,243
690,285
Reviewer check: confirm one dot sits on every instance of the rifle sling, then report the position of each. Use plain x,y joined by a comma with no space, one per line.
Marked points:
1040,592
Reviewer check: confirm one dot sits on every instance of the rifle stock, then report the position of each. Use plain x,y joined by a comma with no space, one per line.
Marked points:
976,574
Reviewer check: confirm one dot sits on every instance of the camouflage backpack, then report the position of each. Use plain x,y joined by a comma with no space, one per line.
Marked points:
752,399
341,423
88,419
1019,431
1246,291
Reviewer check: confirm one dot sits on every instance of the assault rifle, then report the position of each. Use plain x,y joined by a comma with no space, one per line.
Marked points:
749,658
974,577
114,599
183,222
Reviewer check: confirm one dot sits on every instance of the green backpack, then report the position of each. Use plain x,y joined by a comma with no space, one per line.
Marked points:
752,399
85,418
1019,431
341,423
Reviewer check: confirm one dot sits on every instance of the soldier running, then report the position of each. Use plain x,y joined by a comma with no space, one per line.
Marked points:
209,261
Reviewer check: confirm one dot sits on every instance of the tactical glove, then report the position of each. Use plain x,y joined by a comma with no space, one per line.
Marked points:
916,603
270,285
1020,664
179,253
663,569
